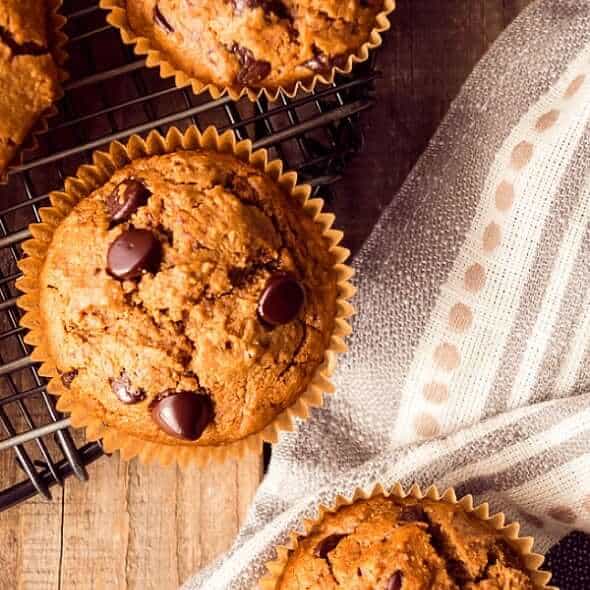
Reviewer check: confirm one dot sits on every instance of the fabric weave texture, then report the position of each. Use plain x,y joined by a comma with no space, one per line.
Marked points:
469,363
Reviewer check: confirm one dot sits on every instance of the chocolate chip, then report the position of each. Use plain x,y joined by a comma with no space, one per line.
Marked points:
68,377
412,513
183,414
281,300
280,9
161,21
327,544
252,70
322,63
319,63
126,198
16,48
132,253
125,392
395,582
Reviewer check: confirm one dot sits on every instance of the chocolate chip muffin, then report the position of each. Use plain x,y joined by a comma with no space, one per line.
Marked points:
255,43
393,544
28,74
188,301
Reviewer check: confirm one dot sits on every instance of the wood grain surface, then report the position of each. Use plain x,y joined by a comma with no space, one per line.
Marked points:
136,527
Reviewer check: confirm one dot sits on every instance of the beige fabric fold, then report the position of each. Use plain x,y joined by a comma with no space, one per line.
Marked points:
470,359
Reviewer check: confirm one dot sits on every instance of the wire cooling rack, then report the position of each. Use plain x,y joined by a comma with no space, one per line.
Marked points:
111,95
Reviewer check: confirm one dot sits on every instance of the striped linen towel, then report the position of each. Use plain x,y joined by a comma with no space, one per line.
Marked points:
470,358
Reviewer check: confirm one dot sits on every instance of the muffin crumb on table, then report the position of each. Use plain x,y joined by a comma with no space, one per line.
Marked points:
404,544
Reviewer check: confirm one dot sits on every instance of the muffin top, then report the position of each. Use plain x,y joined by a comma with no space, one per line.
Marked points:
392,544
28,74
255,43
189,300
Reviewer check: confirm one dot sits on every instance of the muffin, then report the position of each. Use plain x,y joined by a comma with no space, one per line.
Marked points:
256,44
29,76
389,543
187,301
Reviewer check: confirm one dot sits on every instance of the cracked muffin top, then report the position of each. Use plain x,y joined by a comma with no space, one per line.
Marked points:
190,300
255,43
28,74
393,544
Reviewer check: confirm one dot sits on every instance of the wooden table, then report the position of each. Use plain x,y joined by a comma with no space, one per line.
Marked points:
149,528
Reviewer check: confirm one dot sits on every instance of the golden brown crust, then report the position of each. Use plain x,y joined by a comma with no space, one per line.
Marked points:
389,543
28,74
255,43
225,229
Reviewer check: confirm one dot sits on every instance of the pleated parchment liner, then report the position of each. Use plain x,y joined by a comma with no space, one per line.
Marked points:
156,58
90,177
510,531
57,40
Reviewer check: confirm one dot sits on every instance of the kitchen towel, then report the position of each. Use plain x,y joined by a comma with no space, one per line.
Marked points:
469,364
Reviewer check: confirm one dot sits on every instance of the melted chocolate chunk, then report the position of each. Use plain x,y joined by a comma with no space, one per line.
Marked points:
326,545
68,377
125,392
252,70
412,513
126,198
161,21
395,582
280,9
281,300
26,48
322,63
183,414
132,253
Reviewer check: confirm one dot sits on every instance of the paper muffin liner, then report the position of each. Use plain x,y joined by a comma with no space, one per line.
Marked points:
90,177
510,531
155,58
57,41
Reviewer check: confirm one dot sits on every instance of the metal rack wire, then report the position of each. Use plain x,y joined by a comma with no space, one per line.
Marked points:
111,95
